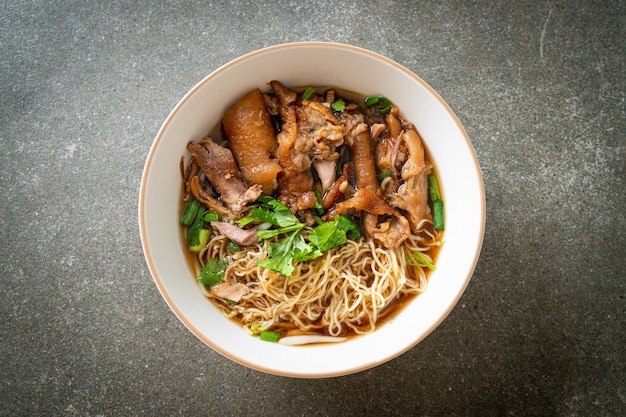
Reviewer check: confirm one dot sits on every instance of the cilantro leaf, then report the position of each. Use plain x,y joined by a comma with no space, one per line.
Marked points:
352,230
382,103
334,233
338,105
282,214
213,272
271,211
303,251
291,247
280,256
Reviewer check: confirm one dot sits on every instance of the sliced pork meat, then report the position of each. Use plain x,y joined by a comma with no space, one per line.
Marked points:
295,185
205,198
289,160
218,165
244,237
363,158
393,123
232,291
188,173
376,129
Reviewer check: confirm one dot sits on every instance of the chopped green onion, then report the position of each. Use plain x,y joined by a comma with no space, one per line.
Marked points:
308,93
438,217
338,105
435,198
193,231
268,336
190,212
213,272
211,216
419,259
203,238
433,188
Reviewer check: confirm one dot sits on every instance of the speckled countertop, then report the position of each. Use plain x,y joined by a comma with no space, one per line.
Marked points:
540,88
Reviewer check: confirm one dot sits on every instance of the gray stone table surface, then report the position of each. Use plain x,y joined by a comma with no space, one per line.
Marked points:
540,88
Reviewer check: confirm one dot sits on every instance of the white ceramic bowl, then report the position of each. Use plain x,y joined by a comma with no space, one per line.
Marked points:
302,64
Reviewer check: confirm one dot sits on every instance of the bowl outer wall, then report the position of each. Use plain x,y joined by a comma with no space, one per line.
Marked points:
318,64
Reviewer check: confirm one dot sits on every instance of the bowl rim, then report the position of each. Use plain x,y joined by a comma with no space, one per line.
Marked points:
151,262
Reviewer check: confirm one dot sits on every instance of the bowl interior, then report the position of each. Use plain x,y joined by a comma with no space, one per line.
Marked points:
319,64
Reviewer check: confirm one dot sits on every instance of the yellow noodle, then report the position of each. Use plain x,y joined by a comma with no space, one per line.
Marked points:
342,292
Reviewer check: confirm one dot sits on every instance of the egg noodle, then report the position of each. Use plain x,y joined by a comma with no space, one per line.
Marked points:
344,292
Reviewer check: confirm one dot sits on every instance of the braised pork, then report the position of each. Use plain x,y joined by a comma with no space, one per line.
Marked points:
235,233
250,133
310,135
406,188
218,165
380,220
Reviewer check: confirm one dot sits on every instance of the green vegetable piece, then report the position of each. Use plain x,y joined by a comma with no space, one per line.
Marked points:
233,247
419,259
268,336
327,235
271,211
211,216
384,174
370,101
308,93
303,251
193,231
381,102
352,230
203,238
213,272
433,188
334,233
280,255
189,212
438,217
338,105
247,220
318,203
435,198
282,214
267,234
